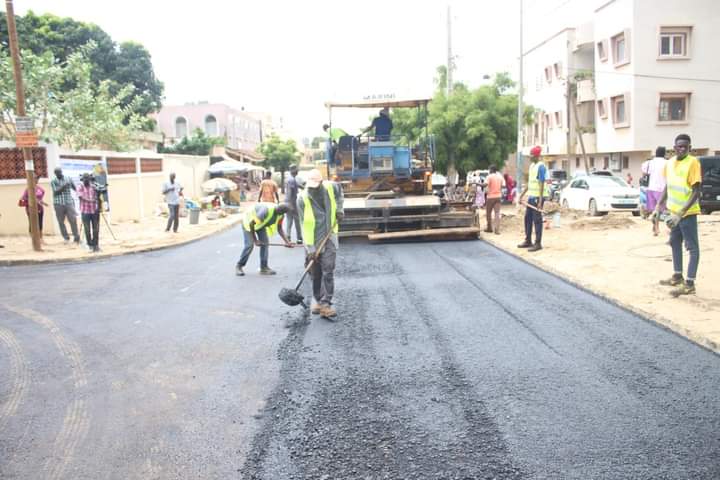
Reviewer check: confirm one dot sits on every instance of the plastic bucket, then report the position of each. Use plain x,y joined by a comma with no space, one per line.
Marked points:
194,216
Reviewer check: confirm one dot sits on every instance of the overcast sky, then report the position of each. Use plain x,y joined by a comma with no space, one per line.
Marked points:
288,57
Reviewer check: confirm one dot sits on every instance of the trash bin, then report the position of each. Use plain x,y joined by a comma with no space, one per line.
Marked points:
194,216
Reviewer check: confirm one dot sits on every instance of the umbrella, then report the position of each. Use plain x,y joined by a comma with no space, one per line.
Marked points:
227,166
219,185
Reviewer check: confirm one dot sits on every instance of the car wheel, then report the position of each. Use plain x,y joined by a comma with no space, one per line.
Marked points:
592,209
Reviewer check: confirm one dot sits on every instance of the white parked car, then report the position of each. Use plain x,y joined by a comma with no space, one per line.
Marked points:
600,194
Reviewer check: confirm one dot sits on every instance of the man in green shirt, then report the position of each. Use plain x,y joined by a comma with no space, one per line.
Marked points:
334,133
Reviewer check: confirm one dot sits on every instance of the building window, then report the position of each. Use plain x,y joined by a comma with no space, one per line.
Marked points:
674,42
181,127
673,107
558,119
592,162
621,117
211,126
625,162
606,163
602,49
548,74
620,48
577,162
602,108
557,69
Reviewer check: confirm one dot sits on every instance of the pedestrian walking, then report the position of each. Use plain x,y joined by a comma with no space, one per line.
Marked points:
89,212
268,190
494,185
535,190
261,222
292,188
24,202
172,191
655,170
682,191
320,207
64,204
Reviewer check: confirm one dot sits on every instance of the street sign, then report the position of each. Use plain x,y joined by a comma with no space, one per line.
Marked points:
26,139
24,125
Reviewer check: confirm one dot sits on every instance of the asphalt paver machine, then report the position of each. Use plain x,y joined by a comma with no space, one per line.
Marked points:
387,184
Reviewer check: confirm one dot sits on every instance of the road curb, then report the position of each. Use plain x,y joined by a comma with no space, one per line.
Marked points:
105,256
650,317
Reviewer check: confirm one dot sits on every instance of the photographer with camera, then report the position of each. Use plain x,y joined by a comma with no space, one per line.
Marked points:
90,211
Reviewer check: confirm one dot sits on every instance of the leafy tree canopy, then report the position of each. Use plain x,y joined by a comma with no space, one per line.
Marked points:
123,64
279,154
472,128
69,107
197,144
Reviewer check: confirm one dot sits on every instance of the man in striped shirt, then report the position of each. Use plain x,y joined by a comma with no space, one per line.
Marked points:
89,212
64,205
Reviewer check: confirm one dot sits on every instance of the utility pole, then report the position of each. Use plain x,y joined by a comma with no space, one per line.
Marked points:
450,61
520,108
20,112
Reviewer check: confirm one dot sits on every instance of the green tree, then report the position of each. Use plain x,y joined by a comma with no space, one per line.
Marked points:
83,114
127,63
196,144
279,154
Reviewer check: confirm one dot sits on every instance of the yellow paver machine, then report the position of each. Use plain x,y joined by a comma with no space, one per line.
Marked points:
387,183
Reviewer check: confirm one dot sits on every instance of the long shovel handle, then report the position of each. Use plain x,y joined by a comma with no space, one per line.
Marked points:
312,262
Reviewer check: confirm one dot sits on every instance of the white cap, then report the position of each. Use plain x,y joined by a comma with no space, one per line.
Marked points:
314,178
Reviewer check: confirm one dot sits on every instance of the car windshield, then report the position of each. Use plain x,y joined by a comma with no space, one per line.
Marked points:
607,182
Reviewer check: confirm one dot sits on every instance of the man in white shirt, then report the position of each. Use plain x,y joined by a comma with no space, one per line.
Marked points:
172,191
655,168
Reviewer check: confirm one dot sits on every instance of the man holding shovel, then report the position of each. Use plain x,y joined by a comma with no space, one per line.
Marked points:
320,207
261,222
535,189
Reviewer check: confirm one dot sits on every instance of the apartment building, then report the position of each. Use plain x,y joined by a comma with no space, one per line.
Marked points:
631,79
241,130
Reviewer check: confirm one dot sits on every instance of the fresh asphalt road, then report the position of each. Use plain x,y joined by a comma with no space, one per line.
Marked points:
448,361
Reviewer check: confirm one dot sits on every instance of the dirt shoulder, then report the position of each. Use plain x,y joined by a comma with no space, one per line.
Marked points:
130,237
618,257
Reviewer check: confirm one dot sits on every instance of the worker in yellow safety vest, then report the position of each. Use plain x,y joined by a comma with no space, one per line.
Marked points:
320,207
535,189
682,193
260,223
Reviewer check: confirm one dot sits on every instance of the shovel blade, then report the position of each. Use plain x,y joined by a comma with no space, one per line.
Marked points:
291,297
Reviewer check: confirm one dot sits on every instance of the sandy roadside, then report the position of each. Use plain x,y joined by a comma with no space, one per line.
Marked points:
618,257
148,234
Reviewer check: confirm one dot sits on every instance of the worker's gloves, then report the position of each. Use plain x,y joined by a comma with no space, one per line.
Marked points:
673,221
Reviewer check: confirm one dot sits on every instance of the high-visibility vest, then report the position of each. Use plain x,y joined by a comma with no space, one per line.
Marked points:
269,223
533,182
308,226
678,190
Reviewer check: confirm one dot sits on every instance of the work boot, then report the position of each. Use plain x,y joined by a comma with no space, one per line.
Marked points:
535,248
525,244
239,271
315,309
684,289
488,230
267,271
299,241
326,311
673,281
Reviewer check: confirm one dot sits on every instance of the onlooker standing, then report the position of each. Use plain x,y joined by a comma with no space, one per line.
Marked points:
89,212
268,190
536,194
655,169
683,177
494,183
172,191
39,195
64,205
292,189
